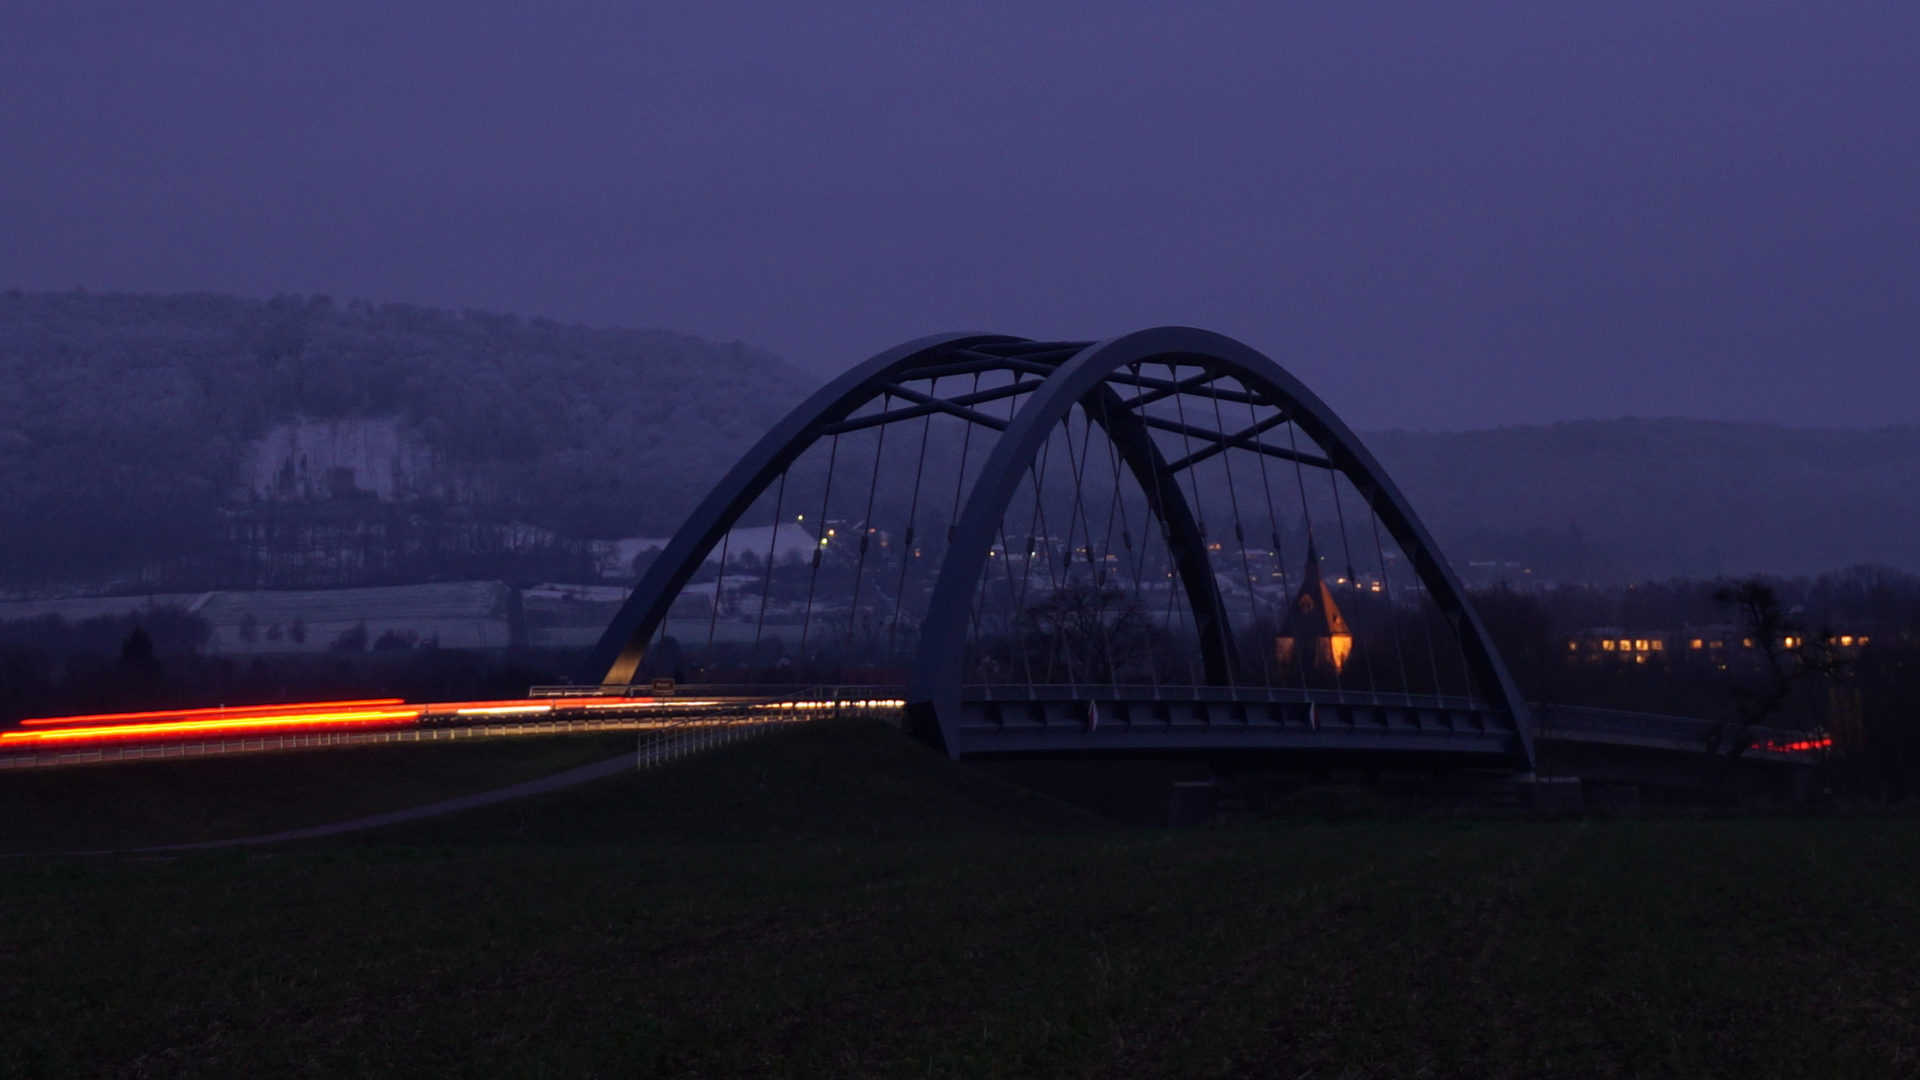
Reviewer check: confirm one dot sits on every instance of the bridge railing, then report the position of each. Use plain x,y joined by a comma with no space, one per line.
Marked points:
846,693
1267,694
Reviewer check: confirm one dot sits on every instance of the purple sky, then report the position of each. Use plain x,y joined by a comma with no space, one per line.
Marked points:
1439,215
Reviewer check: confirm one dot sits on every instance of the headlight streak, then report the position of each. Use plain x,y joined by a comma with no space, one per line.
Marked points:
244,721
232,726
222,710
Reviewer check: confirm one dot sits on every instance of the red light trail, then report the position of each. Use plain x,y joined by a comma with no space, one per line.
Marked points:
52,732
223,710
207,722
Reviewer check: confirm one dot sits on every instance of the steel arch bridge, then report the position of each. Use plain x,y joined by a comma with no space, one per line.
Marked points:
1161,544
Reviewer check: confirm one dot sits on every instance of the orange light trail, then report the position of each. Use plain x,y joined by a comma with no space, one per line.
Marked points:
237,711
228,726
258,720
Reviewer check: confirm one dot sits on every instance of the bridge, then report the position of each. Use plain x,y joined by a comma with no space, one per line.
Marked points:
1162,543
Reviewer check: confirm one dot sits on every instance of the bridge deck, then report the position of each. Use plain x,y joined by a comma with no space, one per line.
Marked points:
1022,720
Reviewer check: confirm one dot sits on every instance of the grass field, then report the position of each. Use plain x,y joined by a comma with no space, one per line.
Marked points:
163,802
837,902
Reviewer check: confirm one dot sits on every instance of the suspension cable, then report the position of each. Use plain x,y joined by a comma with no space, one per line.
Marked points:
1037,542
1016,629
1096,572
953,520
1166,538
1393,608
1134,558
820,545
960,474
906,543
1200,516
719,583
1426,627
1279,548
1035,471
1078,512
766,588
1313,549
1466,669
1240,536
1353,583
866,537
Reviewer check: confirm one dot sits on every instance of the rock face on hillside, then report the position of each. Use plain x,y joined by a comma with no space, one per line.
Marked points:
185,439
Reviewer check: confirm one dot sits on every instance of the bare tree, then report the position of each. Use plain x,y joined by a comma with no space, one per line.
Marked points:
1086,633
1788,655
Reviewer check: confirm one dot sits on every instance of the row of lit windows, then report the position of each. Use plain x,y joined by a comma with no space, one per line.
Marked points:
1624,645
1632,645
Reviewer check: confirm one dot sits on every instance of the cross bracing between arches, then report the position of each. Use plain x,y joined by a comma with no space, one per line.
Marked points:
1158,543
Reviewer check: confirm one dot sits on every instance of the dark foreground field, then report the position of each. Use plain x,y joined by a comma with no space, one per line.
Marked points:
836,902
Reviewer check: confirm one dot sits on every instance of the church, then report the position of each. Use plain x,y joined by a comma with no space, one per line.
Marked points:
1315,634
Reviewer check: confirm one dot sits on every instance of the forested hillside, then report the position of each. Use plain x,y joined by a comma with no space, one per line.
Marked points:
203,441
130,427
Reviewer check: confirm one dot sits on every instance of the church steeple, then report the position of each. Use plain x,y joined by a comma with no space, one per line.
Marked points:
1315,627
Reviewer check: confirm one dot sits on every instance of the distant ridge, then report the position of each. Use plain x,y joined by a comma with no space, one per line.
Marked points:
1618,500
204,441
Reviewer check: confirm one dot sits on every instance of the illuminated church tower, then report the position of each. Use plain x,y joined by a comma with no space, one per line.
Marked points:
1314,624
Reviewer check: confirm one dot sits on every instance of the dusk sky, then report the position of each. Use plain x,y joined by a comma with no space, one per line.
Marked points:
1439,215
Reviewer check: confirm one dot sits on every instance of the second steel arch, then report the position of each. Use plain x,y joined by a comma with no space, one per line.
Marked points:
934,693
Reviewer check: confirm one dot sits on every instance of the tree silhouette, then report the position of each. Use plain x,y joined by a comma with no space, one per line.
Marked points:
1086,633
138,663
1789,655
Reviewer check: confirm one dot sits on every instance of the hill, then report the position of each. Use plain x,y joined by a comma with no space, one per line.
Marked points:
1622,500
195,438
189,442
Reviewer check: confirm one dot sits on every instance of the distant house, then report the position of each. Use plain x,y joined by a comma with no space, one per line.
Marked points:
1612,643
1689,644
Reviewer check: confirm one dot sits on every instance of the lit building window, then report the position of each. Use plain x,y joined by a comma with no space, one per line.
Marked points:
1697,643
